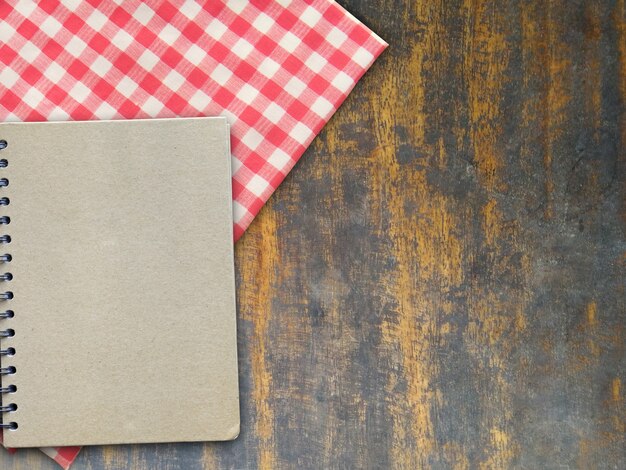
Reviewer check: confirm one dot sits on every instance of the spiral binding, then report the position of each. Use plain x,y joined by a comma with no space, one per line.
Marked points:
5,297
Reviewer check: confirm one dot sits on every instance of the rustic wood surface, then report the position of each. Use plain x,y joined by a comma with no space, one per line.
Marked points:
440,281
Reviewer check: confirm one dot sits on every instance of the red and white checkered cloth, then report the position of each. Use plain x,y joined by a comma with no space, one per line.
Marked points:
64,456
277,69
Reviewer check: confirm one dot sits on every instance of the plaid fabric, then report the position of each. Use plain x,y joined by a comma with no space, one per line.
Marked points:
277,69
64,456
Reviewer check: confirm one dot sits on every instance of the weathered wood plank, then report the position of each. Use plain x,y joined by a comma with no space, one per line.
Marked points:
440,281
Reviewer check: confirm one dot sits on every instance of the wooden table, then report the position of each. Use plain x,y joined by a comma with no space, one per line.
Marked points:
440,282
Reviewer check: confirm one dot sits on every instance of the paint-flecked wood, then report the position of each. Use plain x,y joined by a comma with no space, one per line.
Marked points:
440,282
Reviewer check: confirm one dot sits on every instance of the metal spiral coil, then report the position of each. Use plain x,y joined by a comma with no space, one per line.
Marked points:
6,296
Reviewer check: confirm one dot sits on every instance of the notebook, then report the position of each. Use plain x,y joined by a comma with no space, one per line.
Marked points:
117,290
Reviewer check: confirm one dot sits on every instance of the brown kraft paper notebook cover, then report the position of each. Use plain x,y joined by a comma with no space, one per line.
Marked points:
122,289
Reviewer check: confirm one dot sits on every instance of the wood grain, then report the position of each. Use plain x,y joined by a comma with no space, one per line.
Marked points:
440,282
